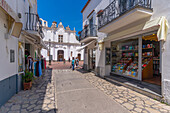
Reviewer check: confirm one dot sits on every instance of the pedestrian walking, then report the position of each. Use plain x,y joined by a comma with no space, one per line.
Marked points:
73,63
77,62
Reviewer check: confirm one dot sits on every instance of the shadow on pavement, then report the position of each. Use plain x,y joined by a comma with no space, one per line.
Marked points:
40,99
86,72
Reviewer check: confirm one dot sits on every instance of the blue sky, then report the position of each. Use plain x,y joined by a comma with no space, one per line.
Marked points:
68,11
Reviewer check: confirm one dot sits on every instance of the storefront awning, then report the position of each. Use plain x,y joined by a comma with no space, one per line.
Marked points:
81,48
163,27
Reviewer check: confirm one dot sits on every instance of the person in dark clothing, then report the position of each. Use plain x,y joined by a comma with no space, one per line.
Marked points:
73,63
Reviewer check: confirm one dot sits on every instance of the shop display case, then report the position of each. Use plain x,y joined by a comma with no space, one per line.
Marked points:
125,58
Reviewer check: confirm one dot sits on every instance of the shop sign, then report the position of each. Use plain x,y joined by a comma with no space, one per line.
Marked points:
5,6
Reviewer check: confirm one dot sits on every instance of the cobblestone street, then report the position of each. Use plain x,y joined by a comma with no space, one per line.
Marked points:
61,65
40,99
67,91
131,100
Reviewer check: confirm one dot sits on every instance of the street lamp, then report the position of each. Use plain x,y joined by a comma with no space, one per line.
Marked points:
49,52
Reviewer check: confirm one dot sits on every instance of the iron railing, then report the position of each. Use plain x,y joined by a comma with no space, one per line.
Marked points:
33,23
88,31
119,7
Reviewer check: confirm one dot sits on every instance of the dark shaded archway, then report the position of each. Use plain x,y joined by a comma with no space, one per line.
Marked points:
79,56
60,55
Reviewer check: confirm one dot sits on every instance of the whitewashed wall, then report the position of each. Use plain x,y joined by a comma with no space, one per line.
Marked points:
161,8
7,69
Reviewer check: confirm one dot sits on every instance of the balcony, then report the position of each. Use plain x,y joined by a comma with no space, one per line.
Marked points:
88,34
121,13
33,24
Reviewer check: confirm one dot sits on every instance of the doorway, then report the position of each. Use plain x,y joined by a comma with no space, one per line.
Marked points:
60,55
151,72
79,56
91,57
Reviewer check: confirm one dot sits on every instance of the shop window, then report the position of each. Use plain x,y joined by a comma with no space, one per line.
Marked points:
125,58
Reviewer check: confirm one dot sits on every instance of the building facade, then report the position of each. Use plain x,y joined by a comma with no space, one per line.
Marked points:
128,38
21,35
62,41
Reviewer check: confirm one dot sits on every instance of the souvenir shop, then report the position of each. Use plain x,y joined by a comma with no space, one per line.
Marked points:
34,63
137,58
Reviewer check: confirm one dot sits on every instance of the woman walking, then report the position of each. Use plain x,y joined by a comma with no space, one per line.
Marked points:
73,62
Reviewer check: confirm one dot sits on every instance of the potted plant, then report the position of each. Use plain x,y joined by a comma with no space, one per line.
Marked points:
27,80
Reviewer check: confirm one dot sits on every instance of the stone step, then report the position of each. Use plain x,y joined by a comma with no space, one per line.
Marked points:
146,90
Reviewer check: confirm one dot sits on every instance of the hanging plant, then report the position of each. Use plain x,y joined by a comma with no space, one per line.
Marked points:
79,32
85,26
99,13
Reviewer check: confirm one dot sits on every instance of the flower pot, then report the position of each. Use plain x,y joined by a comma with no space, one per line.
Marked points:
27,86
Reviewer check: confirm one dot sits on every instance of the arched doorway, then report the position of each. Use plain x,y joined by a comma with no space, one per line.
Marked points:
60,55
79,56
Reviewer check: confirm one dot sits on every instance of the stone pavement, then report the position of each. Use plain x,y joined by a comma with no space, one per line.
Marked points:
76,95
61,65
40,99
131,100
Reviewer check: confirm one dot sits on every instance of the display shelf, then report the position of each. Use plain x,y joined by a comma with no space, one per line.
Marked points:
156,59
127,50
115,50
146,56
147,72
147,48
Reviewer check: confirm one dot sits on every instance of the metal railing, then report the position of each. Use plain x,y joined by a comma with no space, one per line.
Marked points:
33,23
88,31
119,7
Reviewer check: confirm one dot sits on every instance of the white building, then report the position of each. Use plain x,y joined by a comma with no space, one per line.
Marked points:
20,32
128,38
63,41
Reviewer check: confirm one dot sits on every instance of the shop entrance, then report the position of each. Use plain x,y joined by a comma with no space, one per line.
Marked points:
151,60
127,53
79,57
91,57
60,55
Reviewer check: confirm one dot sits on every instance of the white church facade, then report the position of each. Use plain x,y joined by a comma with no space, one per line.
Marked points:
61,42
